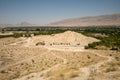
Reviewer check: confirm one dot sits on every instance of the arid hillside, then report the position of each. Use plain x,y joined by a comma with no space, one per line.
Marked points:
68,38
103,20
56,57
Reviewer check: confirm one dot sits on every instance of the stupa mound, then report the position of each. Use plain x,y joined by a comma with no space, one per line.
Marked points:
68,39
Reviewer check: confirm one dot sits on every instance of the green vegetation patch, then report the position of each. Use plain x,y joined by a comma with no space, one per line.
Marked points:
111,40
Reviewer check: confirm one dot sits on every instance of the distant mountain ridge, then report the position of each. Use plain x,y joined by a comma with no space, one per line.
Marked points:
103,20
6,25
25,24
22,24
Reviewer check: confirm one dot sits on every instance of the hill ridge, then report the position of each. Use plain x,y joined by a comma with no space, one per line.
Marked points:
102,20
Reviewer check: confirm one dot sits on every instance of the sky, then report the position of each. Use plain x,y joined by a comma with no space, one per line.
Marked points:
46,11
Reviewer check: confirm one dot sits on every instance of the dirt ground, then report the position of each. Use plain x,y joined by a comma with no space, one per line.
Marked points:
22,59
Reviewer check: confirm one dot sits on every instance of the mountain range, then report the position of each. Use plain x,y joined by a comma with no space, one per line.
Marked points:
25,24
102,20
22,24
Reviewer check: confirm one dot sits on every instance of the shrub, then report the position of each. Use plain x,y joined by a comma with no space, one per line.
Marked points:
92,45
88,57
73,75
86,47
4,36
2,71
33,61
110,69
114,48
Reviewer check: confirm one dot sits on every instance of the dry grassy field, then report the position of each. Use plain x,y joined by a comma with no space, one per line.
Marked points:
24,59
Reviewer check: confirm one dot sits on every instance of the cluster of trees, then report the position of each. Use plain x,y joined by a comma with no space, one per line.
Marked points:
4,36
112,39
92,45
15,35
28,33
49,32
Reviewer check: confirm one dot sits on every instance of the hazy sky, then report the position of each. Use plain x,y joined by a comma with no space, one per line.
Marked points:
46,11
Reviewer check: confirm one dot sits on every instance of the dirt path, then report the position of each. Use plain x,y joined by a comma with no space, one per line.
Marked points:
25,42
65,48
28,42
